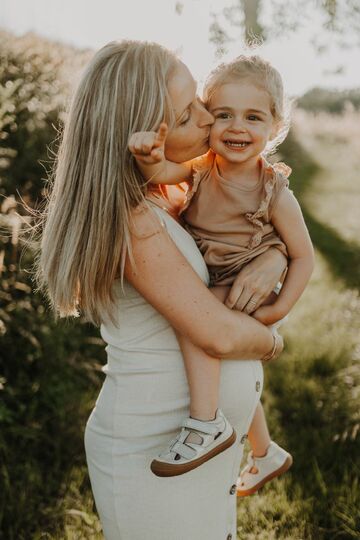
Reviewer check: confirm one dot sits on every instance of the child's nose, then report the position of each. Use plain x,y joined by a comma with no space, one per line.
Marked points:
237,125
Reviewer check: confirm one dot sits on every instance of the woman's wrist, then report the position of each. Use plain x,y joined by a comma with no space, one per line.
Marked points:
276,349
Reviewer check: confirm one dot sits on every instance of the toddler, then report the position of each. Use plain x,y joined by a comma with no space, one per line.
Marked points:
238,205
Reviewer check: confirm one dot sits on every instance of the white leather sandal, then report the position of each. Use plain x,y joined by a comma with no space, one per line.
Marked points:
182,456
274,463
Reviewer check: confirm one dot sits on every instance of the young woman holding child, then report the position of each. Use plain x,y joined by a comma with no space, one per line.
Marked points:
237,207
113,249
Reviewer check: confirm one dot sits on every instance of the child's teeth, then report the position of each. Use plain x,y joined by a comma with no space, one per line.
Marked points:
241,145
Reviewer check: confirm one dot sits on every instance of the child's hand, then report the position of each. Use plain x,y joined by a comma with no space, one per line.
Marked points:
267,315
148,146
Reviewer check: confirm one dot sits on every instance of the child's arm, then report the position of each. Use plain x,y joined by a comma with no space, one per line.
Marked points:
288,220
148,148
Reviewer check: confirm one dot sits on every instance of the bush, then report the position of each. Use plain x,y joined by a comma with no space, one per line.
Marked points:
48,372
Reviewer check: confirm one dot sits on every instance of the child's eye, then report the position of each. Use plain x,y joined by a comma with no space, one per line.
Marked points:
253,117
223,115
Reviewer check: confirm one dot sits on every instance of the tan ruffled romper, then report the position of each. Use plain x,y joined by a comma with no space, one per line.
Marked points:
231,224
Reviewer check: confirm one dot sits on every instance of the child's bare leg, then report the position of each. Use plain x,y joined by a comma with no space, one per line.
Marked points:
203,375
267,459
259,436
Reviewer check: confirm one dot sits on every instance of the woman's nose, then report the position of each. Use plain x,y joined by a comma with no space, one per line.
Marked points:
205,118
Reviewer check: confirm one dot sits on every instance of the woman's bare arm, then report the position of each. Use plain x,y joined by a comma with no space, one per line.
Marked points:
164,277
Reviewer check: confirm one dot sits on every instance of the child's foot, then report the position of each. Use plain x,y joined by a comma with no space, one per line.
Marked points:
197,442
260,470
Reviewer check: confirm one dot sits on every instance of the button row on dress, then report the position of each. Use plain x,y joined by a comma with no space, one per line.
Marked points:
233,489
257,386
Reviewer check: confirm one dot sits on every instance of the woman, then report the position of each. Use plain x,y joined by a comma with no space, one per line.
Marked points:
114,250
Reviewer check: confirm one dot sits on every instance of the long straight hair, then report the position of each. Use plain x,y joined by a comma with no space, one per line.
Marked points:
95,182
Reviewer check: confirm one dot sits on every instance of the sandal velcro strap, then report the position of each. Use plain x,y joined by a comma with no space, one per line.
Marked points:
184,450
203,427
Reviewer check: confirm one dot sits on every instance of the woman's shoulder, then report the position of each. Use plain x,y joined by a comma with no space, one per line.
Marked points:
145,221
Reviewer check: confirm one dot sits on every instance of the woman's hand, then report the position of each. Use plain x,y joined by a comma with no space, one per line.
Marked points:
256,281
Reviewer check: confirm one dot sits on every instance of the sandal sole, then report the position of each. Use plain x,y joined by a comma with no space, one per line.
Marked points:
245,492
166,469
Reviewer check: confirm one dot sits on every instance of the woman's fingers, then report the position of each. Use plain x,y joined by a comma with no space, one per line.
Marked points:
234,295
242,298
252,305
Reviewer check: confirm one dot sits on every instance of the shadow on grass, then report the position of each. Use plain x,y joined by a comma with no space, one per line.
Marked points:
342,256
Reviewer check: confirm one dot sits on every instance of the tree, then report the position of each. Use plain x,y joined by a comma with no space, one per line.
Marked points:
264,20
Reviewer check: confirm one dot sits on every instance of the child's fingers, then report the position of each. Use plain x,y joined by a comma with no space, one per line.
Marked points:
142,143
157,155
161,134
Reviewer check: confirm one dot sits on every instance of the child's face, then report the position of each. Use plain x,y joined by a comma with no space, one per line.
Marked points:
243,121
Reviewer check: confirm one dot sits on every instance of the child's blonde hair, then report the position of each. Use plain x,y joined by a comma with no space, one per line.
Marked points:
264,76
95,182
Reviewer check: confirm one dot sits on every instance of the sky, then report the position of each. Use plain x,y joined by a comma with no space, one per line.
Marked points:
86,23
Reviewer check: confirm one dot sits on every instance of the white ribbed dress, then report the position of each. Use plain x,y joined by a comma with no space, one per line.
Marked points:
144,398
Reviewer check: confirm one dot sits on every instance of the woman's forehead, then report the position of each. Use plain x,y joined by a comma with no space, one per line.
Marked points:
182,88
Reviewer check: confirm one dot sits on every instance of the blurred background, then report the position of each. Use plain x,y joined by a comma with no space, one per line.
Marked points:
50,373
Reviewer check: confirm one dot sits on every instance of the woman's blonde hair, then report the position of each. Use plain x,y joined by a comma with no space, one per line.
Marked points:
263,75
95,182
